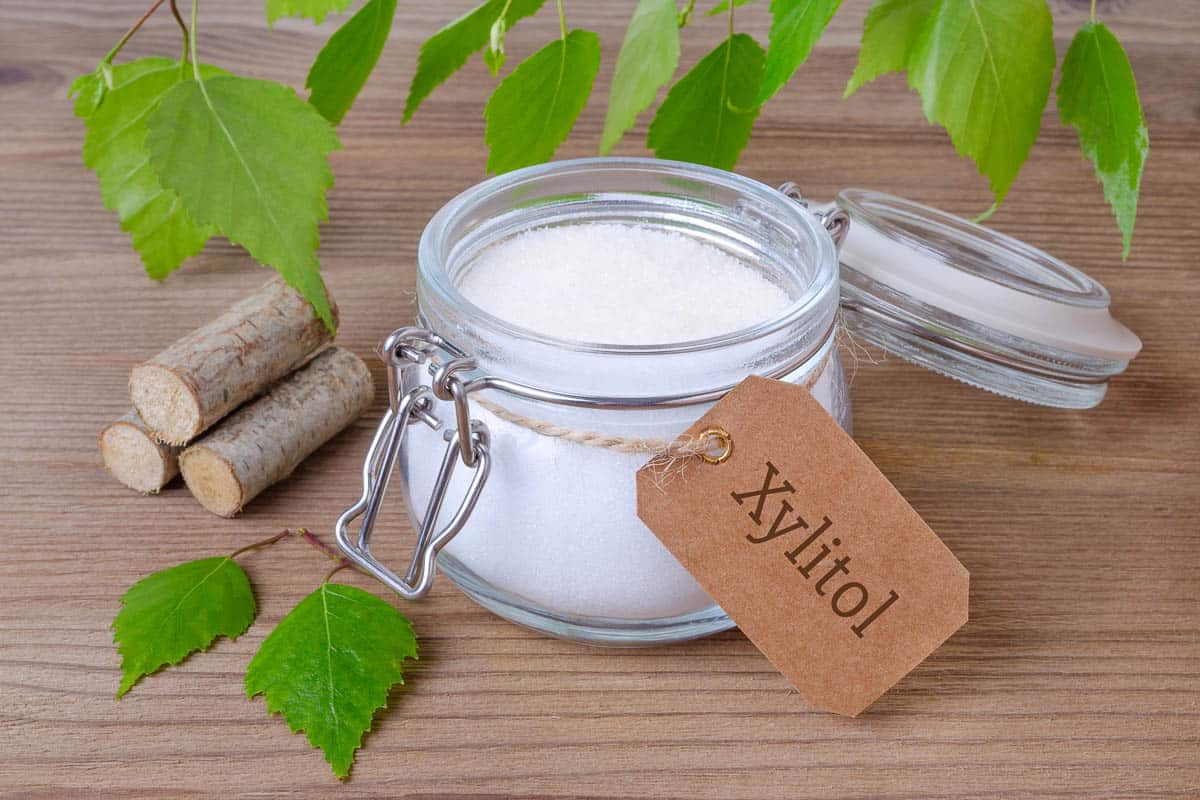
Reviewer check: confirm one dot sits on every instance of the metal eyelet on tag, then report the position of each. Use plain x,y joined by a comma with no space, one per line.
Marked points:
723,441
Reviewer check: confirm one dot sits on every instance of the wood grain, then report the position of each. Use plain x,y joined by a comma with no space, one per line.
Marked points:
1078,675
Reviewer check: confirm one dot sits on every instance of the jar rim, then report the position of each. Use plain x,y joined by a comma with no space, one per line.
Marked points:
434,246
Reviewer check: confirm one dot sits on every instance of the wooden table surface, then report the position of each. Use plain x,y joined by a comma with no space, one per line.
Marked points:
1077,676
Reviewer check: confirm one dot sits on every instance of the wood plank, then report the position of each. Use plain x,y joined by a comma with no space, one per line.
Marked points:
1077,676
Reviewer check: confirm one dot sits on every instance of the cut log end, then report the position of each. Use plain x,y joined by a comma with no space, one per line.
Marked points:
166,403
134,458
263,441
213,481
208,373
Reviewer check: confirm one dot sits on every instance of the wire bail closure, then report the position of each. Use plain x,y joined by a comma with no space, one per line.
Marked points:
835,220
468,442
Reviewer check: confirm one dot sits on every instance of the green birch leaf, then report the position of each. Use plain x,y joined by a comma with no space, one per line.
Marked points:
345,62
161,230
795,27
1097,94
707,116
648,58
166,616
889,33
723,6
329,666
533,110
984,69
446,51
316,10
221,145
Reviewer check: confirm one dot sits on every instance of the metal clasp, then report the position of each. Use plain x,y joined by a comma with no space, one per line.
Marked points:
468,442
835,220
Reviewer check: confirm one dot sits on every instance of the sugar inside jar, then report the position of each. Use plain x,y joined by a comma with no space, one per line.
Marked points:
604,305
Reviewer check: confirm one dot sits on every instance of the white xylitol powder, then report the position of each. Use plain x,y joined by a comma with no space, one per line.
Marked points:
557,521
619,284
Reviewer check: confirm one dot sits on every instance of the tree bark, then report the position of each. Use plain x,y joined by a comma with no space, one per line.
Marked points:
135,457
263,441
195,382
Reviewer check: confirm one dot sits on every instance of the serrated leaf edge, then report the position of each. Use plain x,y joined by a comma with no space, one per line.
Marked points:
324,311
610,136
317,18
1089,28
108,197
410,105
274,708
378,4
766,92
725,100
999,192
561,43
126,683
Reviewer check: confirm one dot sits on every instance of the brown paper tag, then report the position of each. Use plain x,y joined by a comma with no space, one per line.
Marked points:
808,547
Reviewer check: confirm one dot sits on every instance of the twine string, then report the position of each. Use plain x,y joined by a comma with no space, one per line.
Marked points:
708,444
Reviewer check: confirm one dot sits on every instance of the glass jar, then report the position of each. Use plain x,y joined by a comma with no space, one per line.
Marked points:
516,450
554,541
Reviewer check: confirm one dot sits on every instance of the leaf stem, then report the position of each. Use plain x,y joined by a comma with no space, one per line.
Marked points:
985,216
265,542
685,16
320,546
129,33
1093,10
191,37
328,551
562,20
336,570
732,6
183,59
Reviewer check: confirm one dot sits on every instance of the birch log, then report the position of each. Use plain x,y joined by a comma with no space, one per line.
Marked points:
202,377
263,441
135,457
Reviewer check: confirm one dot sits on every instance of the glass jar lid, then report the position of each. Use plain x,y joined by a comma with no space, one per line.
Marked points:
976,305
